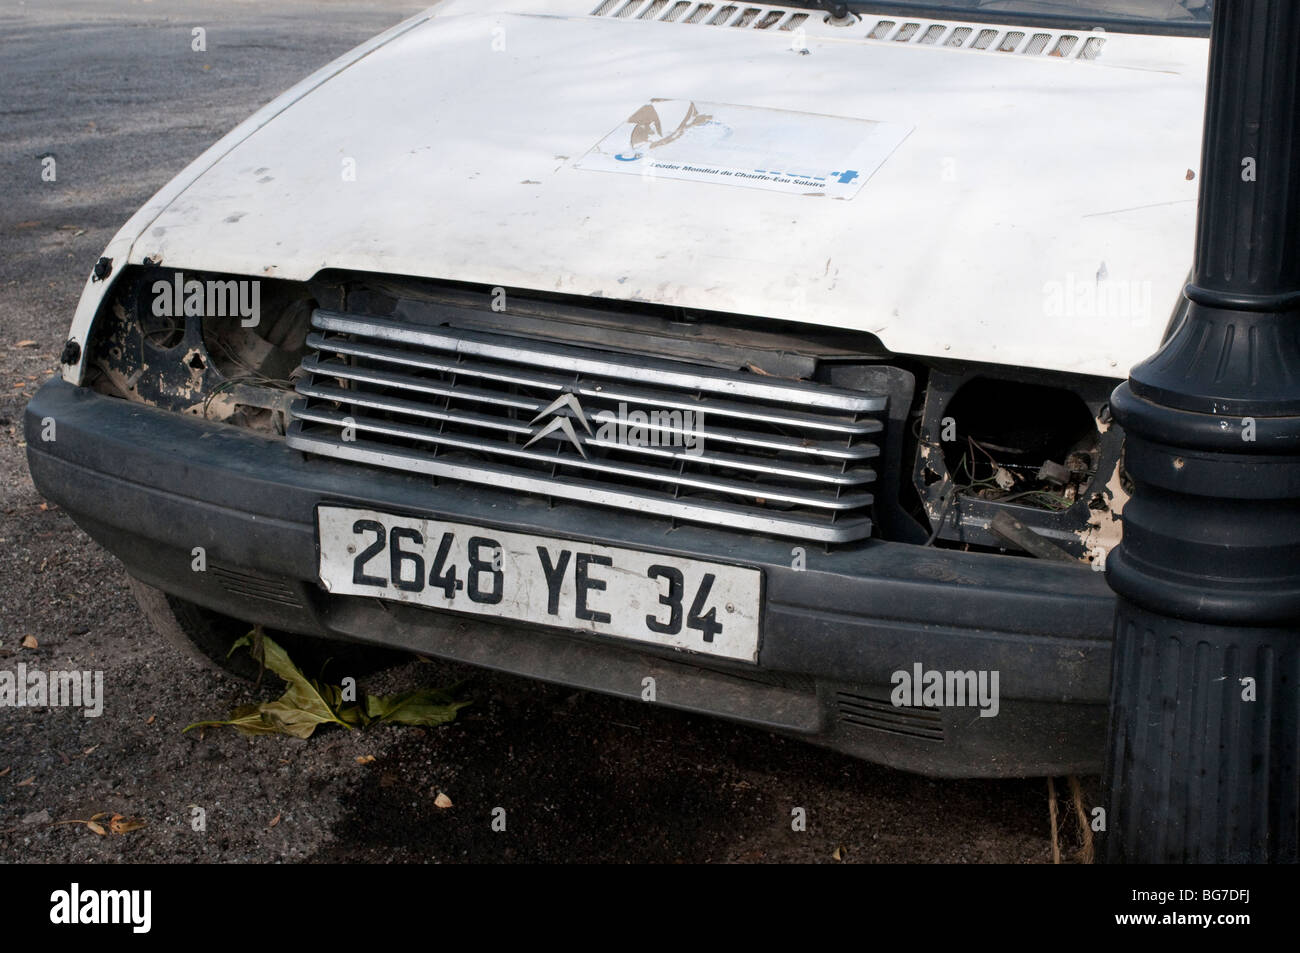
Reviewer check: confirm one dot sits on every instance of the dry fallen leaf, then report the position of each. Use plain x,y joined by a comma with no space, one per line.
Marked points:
275,820
29,642
442,801
90,749
117,824
365,758
124,825
6,771
26,782
151,719
838,854
26,343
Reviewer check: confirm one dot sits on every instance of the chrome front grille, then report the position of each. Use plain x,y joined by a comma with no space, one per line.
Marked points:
665,438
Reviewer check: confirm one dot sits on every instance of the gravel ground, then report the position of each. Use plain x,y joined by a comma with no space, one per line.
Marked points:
113,91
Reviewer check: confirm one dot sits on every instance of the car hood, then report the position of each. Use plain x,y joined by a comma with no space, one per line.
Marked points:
1005,207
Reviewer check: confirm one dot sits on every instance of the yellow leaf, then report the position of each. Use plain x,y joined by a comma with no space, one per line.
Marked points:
96,828
365,758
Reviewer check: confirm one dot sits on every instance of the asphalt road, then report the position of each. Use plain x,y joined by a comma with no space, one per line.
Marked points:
114,92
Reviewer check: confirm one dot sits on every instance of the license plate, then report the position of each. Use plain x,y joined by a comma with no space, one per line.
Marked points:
689,604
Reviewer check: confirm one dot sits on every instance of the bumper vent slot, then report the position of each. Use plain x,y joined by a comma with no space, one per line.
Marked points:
663,438
879,715
254,586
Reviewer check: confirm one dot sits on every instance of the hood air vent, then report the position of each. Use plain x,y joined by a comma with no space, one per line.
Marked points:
1023,42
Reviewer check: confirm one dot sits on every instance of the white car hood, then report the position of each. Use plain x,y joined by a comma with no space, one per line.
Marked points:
1038,211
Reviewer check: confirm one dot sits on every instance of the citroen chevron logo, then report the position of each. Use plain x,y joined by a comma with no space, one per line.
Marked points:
560,423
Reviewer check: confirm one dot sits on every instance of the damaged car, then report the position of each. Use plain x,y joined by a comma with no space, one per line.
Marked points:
758,354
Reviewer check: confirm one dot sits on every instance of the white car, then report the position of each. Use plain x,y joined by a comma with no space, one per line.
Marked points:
749,359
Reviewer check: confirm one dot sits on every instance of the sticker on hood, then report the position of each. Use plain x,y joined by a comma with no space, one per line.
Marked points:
748,146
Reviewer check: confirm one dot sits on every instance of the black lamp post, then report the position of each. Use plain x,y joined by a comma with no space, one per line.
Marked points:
1204,747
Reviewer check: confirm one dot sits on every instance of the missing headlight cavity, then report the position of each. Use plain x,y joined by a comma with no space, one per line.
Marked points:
183,341
1035,445
1017,441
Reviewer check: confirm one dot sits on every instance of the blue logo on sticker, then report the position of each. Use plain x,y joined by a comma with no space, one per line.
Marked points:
632,158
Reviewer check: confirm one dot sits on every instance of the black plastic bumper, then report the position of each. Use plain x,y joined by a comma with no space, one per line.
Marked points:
150,485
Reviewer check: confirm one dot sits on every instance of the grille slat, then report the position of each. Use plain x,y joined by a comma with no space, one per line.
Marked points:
652,504
834,475
413,408
635,471
691,443
363,375
330,369
582,361
717,408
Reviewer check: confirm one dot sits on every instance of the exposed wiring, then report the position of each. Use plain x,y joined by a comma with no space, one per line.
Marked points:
949,495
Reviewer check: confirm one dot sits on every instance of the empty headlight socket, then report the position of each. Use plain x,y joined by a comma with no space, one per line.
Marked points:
1038,428
211,367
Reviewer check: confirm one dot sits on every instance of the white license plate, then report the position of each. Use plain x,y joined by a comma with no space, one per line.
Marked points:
684,603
